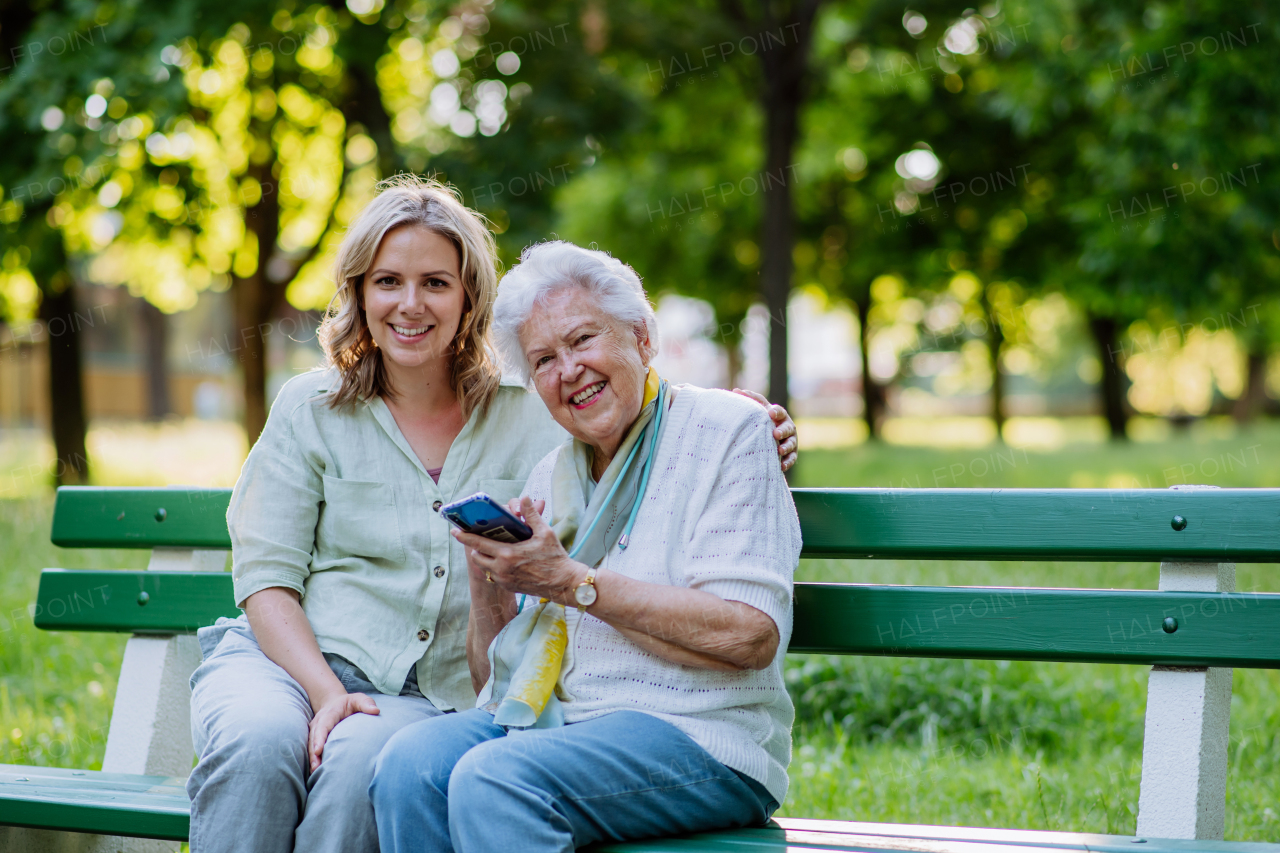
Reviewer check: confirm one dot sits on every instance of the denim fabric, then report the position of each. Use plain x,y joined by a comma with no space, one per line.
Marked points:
251,789
461,783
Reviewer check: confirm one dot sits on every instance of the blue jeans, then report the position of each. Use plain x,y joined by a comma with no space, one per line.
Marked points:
459,782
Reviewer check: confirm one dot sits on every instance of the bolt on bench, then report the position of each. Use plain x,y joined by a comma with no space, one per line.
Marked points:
1192,631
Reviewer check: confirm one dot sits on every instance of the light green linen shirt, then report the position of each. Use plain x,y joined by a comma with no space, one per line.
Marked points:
336,505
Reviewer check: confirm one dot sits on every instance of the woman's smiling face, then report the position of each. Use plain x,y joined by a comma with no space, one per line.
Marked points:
589,369
413,296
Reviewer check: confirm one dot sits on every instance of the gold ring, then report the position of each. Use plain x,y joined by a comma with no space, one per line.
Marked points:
488,577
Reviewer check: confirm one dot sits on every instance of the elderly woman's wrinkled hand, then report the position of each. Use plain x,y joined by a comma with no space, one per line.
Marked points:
538,566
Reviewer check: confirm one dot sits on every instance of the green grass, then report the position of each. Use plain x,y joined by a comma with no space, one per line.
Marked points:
1039,746
56,689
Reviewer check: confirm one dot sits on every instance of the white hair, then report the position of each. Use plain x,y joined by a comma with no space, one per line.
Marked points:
547,267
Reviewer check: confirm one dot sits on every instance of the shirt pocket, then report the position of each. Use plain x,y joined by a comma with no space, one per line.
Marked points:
359,520
502,490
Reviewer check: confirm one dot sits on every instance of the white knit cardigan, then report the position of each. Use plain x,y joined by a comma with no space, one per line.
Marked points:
717,516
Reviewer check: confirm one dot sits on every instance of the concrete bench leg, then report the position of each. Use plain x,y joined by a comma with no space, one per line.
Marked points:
1188,728
150,723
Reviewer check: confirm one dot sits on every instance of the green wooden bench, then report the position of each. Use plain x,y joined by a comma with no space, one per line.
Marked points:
1191,630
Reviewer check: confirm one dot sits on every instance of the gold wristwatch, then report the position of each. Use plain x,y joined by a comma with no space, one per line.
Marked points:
585,594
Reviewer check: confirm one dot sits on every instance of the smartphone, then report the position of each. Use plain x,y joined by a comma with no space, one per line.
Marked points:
482,515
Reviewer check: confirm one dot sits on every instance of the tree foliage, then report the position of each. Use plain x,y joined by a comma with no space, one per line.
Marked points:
938,166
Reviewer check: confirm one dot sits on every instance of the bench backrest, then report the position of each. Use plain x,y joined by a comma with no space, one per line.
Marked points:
1230,525
1107,626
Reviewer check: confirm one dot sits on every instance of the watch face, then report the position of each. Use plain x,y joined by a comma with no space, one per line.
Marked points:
585,594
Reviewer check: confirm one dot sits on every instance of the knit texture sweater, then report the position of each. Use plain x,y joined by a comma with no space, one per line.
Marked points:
717,516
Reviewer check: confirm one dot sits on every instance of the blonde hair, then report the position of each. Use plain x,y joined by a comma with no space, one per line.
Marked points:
348,345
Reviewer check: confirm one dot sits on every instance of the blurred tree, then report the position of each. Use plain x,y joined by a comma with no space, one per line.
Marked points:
266,158
1209,246
577,125
196,146
509,102
782,88
64,60
224,146
679,196
690,187
1158,208
908,170
155,327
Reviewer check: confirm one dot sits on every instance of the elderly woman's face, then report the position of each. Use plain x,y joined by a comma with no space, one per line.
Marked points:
589,368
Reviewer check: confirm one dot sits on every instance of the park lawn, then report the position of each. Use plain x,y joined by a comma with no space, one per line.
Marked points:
1041,746
1064,749
56,689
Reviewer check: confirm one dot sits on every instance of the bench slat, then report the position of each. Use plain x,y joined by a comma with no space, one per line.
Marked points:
786,834
92,801
1240,525
1025,837
1072,625
954,524
995,623
93,517
175,602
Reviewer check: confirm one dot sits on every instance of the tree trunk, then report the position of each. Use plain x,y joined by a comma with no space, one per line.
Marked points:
733,362
155,327
873,400
995,345
364,106
776,240
361,103
783,70
255,297
1114,382
66,382
1254,397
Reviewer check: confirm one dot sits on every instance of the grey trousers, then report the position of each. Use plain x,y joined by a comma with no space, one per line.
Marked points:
251,790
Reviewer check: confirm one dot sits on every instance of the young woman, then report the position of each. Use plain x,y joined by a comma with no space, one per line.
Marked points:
356,597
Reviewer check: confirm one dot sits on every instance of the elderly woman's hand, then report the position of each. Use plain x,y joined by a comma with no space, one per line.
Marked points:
686,626
784,430
538,566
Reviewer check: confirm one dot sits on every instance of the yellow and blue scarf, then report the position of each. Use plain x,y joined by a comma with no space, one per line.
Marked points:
526,657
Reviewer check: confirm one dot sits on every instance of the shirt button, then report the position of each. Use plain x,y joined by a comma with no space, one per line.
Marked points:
423,634
436,506
439,571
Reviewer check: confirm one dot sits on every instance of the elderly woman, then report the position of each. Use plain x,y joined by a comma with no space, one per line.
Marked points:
633,682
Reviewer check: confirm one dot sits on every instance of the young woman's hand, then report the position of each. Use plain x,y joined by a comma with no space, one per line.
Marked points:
784,429
332,711
285,635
